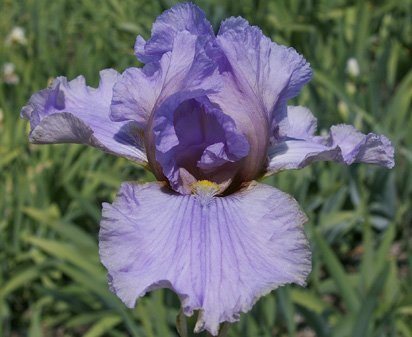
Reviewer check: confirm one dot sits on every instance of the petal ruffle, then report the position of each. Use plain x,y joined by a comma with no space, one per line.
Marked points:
182,17
219,257
297,146
71,112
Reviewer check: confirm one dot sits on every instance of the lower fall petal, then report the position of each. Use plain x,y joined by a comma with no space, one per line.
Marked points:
72,112
219,256
297,146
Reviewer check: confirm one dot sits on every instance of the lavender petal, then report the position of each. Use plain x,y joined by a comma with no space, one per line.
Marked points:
219,257
297,146
139,92
259,77
182,17
269,73
71,112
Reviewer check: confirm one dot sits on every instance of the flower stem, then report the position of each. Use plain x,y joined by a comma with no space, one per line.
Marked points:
223,330
181,324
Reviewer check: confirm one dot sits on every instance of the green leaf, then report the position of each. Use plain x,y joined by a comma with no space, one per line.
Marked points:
287,308
337,272
20,279
308,300
364,318
85,259
101,327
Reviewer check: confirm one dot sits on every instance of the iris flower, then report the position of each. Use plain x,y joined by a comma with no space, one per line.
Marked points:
208,115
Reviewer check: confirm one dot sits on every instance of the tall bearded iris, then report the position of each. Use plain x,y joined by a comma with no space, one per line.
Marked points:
207,115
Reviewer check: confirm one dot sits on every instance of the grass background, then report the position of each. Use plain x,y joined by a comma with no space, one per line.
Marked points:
51,281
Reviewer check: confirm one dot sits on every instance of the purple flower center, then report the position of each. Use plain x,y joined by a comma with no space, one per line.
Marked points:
195,141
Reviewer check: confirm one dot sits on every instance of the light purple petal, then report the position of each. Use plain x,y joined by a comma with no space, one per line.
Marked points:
135,95
260,77
185,67
71,112
182,17
219,257
299,124
297,146
267,72
186,73
252,124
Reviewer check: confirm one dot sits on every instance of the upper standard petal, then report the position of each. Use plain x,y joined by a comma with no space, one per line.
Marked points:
220,257
182,17
259,77
135,95
72,112
185,74
267,72
140,91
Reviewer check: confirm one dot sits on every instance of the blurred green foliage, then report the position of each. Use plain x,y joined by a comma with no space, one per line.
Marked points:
51,281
